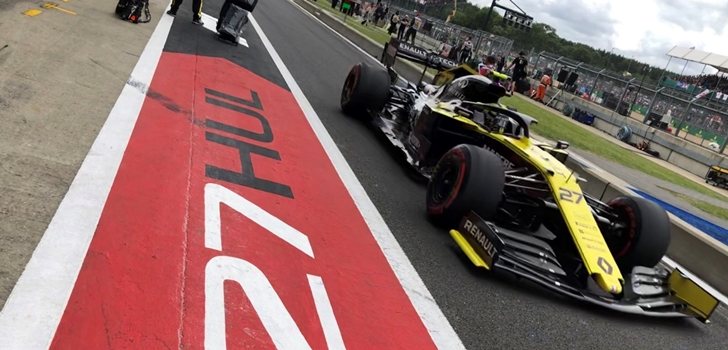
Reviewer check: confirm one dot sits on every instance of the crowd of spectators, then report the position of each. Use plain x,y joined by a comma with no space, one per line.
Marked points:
670,101
704,81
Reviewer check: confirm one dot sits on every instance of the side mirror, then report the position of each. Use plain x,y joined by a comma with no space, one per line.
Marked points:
562,145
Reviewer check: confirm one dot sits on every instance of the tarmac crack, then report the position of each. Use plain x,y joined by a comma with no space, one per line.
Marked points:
106,326
185,225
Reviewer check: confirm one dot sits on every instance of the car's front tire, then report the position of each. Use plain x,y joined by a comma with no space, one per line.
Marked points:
366,88
646,236
466,178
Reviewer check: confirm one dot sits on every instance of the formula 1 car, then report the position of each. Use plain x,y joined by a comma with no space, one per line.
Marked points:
513,203
717,176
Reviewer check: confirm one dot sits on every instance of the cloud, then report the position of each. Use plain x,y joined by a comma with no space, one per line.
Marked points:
643,29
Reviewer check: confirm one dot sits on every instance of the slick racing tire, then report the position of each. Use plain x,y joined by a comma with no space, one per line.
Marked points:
366,88
646,236
466,178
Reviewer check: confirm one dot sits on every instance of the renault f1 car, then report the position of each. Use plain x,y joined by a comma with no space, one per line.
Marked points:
511,203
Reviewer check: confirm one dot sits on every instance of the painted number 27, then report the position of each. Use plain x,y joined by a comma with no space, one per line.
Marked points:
265,300
570,196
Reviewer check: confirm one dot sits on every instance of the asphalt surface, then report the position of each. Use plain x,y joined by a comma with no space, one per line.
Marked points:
488,311
60,74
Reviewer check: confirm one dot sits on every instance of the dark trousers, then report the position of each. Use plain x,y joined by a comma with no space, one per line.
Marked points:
411,33
196,7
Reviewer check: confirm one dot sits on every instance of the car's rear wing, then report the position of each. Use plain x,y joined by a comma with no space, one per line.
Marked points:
395,48
447,69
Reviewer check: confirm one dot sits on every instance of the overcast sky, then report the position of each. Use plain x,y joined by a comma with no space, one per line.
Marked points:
643,29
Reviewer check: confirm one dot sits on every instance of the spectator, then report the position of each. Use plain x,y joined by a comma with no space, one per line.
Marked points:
414,26
486,66
455,52
544,84
519,66
393,21
501,63
367,14
466,50
378,13
403,24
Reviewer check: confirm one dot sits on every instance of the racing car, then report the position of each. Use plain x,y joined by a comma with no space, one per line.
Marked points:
510,202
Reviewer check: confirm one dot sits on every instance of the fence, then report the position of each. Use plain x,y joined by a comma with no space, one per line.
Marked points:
703,121
436,32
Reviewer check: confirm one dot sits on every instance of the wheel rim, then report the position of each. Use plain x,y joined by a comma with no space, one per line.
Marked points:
444,183
349,85
620,241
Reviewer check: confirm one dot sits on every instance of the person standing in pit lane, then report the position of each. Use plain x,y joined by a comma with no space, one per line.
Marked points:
403,24
519,66
196,10
393,21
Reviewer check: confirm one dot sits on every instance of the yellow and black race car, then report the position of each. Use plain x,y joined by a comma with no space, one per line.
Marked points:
510,202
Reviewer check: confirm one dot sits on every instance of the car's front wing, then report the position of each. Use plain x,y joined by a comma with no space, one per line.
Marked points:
647,291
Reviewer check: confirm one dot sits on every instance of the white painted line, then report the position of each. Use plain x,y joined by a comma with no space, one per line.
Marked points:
215,195
437,325
210,23
35,306
332,333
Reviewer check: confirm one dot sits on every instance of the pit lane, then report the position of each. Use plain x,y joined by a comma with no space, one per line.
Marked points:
486,311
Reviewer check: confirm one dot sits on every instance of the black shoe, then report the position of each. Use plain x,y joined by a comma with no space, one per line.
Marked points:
172,13
197,21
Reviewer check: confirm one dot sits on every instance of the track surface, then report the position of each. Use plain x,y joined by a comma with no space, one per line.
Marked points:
487,311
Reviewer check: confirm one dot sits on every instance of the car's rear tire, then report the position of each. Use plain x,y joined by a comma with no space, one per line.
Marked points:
644,240
366,88
466,178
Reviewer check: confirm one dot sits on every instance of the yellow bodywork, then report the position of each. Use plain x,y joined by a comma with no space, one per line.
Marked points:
567,194
468,249
719,169
700,302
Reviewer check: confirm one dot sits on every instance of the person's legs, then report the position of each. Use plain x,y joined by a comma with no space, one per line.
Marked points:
540,92
414,34
196,11
223,12
175,6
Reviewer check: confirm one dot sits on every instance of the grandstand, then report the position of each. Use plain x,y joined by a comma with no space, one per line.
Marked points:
702,120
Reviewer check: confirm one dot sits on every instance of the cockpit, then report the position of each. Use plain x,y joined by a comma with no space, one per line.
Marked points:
476,97
474,88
